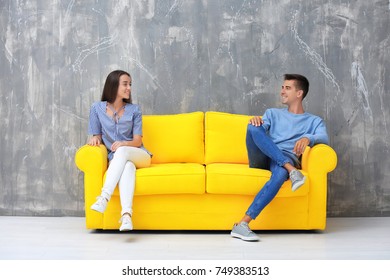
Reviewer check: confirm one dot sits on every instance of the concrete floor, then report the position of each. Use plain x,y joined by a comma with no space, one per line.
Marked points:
66,238
61,248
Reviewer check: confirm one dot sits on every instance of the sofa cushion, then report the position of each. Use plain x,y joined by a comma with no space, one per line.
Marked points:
239,179
175,138
225,138
169,178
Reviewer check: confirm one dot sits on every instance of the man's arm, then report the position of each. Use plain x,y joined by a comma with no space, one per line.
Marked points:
300,146
320,136
261,121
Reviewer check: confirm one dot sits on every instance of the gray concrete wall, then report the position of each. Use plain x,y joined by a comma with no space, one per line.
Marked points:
186,56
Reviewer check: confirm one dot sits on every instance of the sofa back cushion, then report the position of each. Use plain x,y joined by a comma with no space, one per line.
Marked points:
174,138
225,135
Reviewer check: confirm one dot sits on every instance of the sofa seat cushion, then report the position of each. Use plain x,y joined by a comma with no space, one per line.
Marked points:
170,178
228,178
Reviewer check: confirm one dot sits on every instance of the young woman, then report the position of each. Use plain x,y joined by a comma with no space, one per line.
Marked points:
117,123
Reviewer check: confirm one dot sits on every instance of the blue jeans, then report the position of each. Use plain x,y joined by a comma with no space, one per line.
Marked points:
263,153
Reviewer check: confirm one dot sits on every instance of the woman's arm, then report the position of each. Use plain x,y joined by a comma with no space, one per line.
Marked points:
94,127
136,142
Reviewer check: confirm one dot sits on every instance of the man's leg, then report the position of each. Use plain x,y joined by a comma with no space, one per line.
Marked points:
263,198
257,159
263,142
269,190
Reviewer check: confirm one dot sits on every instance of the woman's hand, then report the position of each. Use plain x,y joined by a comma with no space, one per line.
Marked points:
118,144
95,140
136,142
256,121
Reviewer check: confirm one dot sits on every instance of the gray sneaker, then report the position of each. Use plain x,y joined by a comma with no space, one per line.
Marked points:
297,179
243,232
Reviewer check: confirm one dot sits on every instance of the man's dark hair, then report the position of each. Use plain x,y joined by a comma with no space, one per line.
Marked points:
111,85
301,82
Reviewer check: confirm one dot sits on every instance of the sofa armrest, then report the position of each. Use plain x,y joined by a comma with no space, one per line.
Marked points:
320,158
318,161
92,159
93,162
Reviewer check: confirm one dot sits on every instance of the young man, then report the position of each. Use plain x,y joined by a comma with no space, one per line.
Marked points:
276,142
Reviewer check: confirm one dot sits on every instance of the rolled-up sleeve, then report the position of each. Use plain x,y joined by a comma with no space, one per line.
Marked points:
267,117
94,127
137,128
320,135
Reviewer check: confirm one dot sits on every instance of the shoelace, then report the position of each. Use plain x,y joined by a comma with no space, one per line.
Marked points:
125,219
100,200
296,175
246,227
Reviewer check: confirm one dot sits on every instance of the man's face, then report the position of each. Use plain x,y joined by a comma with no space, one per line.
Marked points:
289,93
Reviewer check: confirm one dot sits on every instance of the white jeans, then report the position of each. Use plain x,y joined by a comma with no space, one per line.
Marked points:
121,171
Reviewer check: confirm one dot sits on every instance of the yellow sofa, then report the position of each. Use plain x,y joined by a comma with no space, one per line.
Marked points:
200,180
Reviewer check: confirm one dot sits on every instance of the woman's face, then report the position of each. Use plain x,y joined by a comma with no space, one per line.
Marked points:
124,88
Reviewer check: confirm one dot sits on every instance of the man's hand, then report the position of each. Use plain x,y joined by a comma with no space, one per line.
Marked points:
300,146
256,121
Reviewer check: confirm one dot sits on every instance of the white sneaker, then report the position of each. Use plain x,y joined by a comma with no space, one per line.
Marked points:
127,224
100,204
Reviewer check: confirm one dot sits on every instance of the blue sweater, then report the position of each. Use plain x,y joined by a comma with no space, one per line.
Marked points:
286,128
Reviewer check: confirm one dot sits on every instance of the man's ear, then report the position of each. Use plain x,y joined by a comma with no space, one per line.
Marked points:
300,93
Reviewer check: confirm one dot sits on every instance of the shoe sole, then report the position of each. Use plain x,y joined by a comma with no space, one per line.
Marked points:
97,210
126,229
239,236
297,186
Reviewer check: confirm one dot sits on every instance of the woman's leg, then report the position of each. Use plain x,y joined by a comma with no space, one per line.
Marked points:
127,187
136,158
139,157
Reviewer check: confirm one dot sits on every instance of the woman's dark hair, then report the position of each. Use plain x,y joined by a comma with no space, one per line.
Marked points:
111,85
301,82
